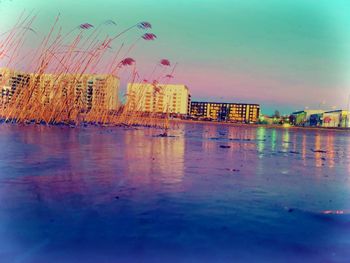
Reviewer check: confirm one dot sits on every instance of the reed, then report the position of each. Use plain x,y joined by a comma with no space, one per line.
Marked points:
54,87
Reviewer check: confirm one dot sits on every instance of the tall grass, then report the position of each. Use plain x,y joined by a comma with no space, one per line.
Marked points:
53,86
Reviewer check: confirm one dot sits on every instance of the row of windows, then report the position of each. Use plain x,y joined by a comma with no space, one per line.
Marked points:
233,105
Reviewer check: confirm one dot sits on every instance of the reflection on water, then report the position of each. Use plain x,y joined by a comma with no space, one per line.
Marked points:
285,137
210,193
81,162
152,156
330,151
260,133
303,148
273,140
209,131
318,156
316,145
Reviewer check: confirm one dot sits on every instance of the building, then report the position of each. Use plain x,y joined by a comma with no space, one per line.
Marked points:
11,82
266,119
88,91
95,91
158,98
43,86
321,118
336,118
302,118
233,112
316,119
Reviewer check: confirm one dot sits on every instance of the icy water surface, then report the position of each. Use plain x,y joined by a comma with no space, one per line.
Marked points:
209,194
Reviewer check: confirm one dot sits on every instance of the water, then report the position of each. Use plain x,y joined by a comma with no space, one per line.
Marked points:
211,193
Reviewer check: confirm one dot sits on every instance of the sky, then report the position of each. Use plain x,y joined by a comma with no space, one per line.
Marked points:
285,55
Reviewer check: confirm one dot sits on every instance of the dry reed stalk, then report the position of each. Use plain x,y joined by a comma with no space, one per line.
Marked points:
53,98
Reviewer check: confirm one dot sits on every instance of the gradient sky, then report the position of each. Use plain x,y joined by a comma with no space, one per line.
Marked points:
285,55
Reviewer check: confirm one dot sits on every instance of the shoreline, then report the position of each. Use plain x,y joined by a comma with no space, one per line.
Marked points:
253,125
181,121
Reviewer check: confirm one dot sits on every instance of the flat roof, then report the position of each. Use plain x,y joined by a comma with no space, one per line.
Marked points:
159,84
335,111
211,102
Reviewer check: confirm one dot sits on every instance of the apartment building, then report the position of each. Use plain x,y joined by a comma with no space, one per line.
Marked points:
88,91
233,112
158,98
11,82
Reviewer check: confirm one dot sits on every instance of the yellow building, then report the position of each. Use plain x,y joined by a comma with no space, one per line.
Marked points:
158,98
336,118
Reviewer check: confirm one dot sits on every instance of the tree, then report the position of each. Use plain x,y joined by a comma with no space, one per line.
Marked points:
277,114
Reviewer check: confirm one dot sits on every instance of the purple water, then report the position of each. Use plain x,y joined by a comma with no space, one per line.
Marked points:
211,193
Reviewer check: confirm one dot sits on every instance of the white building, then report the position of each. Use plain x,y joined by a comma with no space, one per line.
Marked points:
87,91
96,91
11,82
158,98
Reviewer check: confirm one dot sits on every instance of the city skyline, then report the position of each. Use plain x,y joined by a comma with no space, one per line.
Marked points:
283,56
